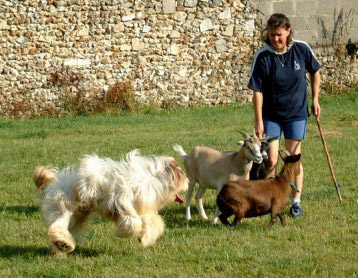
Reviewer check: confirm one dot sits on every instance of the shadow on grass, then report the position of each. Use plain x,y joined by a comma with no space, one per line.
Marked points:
8,251
27,210
174,217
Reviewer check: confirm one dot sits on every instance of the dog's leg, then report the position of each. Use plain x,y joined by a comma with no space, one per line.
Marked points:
199,201
77,224
128,226
188,198
60,238
128,221
153,227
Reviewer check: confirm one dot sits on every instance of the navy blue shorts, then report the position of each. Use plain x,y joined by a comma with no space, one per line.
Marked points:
296,130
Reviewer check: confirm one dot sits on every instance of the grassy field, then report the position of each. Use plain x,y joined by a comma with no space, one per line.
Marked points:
324,243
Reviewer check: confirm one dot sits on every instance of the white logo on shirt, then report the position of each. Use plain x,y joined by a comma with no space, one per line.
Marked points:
297,66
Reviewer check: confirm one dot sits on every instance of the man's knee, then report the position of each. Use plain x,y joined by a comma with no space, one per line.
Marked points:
271,163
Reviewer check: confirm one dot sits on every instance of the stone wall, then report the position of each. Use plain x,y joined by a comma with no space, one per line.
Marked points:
186,52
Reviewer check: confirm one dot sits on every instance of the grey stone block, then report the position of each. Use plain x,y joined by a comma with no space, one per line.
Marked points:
306,7
285,7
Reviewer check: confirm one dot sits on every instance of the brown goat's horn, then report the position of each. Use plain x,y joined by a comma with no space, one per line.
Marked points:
284,154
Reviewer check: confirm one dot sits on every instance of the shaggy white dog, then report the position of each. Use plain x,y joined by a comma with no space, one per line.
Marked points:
128,192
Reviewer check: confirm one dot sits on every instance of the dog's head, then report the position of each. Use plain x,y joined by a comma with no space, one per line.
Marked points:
179,180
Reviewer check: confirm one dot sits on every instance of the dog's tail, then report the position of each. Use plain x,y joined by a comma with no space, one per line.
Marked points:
179,149
43,176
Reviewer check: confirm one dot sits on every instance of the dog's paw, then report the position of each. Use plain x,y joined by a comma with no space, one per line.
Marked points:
64,247
145,241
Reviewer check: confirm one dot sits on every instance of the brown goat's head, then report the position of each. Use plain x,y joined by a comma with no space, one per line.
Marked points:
294,159
252,147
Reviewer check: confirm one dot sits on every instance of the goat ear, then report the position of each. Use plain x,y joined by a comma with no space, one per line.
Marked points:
292,158
296,157
246,136
241,143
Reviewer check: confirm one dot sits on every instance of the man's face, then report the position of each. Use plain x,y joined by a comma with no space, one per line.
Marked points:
278,38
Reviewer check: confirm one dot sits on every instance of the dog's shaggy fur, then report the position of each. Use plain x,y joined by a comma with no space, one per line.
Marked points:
128,192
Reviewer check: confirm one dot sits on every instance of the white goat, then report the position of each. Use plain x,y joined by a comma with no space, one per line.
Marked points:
212,169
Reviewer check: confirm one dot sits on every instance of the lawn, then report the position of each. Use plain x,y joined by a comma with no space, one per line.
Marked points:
324,243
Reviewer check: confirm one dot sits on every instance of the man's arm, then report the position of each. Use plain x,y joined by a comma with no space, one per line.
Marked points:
315,87
257,101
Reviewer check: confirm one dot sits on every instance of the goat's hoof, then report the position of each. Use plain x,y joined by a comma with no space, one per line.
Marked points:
214,222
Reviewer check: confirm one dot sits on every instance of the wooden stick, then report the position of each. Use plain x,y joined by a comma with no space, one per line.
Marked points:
329,160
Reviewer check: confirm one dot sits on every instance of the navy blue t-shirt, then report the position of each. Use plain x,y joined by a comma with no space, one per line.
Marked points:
281,78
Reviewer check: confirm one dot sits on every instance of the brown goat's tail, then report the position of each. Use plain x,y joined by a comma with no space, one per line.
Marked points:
43,176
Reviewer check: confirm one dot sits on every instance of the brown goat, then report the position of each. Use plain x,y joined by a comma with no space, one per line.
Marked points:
246,198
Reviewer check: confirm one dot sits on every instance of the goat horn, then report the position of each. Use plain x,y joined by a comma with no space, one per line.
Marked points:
284,154
246,136
255,134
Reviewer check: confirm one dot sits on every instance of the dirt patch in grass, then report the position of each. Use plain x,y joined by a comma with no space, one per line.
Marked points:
329,134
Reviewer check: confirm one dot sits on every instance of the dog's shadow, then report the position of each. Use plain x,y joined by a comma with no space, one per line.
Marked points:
27,210
9,251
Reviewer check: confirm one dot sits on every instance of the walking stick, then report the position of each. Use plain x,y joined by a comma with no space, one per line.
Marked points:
329,160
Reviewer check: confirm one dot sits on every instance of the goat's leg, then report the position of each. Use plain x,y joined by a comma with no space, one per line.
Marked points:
282,218
188,198
238,218
199,201
224,216
272,221
215,218
217,211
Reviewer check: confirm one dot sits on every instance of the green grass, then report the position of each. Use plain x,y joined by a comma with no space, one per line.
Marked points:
324,243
